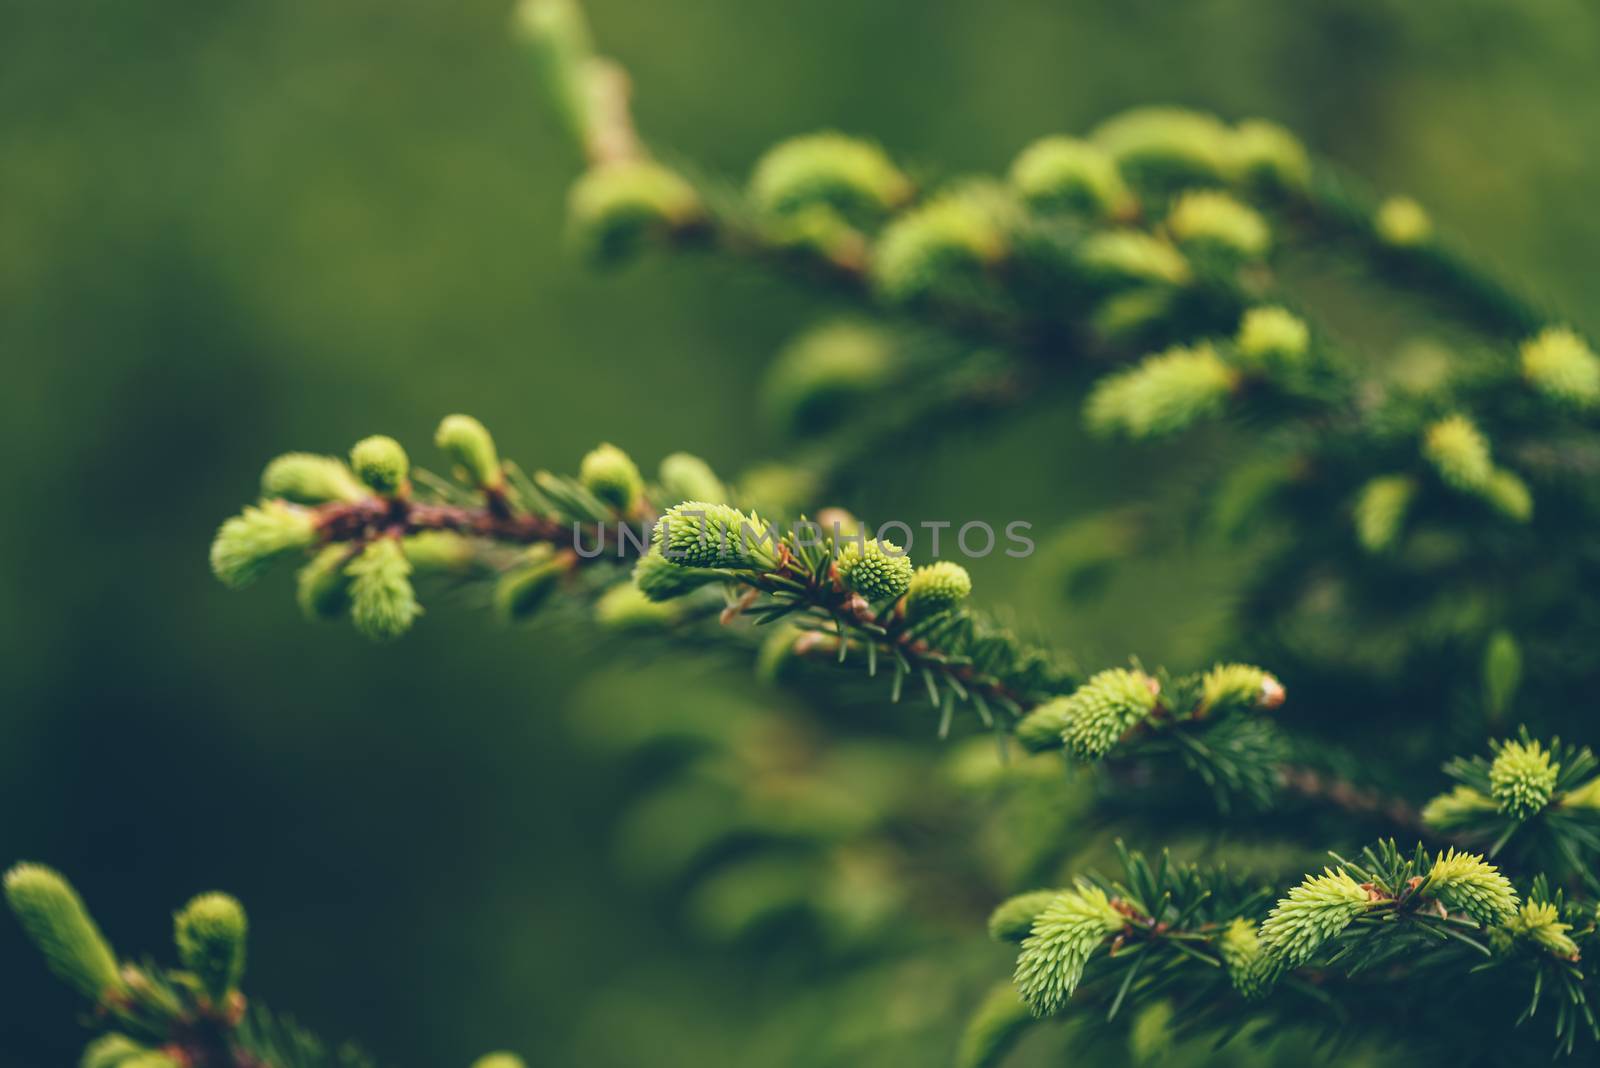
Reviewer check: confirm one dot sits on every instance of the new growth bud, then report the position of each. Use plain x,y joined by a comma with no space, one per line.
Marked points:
210,934
525,588
1162,394
1206,220
1522,778
617,207
703,534
471,449
1460,453
611,475
382,603
56,922
850,175
1402,223
382,464
1267,155
1165,148
952,238
818,378
684,477
307,478
1559,364
1065,174
249,543
936,588
878,570
1380,511
1272,338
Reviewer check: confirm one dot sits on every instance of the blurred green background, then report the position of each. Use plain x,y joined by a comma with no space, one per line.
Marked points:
228,229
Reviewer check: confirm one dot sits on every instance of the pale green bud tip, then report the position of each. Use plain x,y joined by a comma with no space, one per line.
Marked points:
616,207
1522,778
610,474
112,1051
1402,223
54,918
1059,945
1266,154
819,375
937,588
1467,883
545,19
152,1059
1064,173
1206,218
383,605
1131,256
381,463
1561,365
498,1060
1273,337
1459,452
439,550
1162,394
307,478
1313,912
659,579
878,570
1540,923
1461,807
1166,146
1227,687
249,543
703,534
1013,918
470,446
1380,511
210,934
523,590
1509,495
322,589
627,607
954,236
685,477
1042,728
845,173
1245,959
994,1029
558,38
1104,709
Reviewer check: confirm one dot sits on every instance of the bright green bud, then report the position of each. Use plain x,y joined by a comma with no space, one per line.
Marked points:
1013,918
1502,671
1124,257
1208,219
1043,728
558,39
1315,911
1467,883
818,376
955,236
498,1060
1167,147
1124,316
439,551
615,208
1461,807
1228,687
1063,937
1585,796
611,475
524,589
1540,923
1460,453
1064,173
249,543
854,176
1273,338
1559,364
688,478
381,463
112,1051
626,607
878,570
307,478
1162,393
783,488
382,603
1402,223
937,588
152,1059
994,1029
1249,968
1105,708
471,448
210,933
322,589
57,923
1509,495
702,534
1265,154
1380,511
659,579
1522,778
